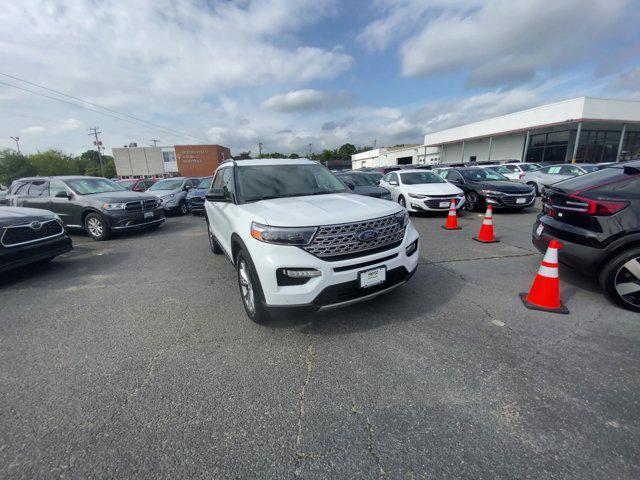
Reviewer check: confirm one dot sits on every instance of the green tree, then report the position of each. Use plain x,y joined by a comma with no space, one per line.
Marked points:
89,162
14,165
294,155
243,155
345,151
54,162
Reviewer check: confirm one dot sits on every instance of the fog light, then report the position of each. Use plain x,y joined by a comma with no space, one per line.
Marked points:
295,276
411,249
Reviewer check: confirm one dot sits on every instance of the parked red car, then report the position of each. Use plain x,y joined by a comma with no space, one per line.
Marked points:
136,184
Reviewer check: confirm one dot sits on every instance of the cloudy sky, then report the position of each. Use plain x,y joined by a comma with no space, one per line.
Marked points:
288,73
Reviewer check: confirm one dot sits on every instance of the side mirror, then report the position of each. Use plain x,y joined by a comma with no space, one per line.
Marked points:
378,182
62,194
350,184
216,195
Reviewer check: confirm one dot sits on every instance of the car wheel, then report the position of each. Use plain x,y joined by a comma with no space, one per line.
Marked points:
182,208
213,243
250,289
44,261
620,279
473,202
402,201
534,185
96,226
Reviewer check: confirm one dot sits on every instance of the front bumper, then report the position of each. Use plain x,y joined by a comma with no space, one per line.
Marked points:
511,201
123,220
195,205
20,256
578,256
432,204
338,284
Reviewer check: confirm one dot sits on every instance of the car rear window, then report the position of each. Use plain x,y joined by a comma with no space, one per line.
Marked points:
610,180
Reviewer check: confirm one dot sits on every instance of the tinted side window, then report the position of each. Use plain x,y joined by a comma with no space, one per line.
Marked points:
217,181
454,176
227,182
19,188
513,168
38,188
393,177
55,187
570,170
554,170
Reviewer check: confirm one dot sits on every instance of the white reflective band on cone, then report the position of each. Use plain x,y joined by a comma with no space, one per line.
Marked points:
551,256
549,272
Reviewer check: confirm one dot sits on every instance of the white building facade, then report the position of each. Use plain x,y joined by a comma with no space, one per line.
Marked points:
585,129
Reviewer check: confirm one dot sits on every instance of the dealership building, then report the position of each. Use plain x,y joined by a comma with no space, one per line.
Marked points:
179,160
584,129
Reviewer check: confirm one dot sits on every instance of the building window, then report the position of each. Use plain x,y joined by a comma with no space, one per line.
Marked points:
473,158
548,147
630,146
169,157
597,146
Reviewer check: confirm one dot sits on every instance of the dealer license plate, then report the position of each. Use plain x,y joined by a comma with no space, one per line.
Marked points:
444,204
148,214
539,230
521,200
372,277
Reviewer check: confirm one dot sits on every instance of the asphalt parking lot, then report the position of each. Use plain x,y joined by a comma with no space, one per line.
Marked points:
133,358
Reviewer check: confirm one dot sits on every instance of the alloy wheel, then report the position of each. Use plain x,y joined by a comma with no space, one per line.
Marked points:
246,287
627,282
183,208
472,202
402,202
95,227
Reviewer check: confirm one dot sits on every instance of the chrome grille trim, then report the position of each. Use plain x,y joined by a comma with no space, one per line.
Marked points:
340,240
28,227
140,205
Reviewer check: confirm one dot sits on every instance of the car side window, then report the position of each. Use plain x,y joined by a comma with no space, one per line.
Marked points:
385,178
55,187
38,188
393,177
227,182
217,181
554,170
513,168
454,176
19,188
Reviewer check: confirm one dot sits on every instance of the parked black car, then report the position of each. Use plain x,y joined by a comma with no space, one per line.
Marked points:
29,235
97,205
596,217
483,186
363,184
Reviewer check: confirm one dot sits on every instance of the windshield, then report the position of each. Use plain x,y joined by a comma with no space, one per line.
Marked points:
358,180
167,184
501,170
126,183
589,168
417,178
375,176
89,186
482,174
260,182
528,167
205,183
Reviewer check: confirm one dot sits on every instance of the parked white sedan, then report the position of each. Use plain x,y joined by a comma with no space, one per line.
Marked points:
421,190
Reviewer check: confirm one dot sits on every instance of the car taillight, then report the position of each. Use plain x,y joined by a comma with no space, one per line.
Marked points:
590,206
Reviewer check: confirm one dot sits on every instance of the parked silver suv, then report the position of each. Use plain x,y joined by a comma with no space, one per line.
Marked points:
173,192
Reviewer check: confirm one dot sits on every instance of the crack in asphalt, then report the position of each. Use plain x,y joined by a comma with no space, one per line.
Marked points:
310,362
370,444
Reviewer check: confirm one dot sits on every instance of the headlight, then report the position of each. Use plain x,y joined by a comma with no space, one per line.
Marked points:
460,195
402,218
417,195
492,192
283,235
113,206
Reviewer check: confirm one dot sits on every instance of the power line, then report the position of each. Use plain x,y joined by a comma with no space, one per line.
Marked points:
134,118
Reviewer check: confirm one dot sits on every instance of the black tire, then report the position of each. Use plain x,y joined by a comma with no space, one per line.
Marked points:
402,201
213,243
96,227
182,208
534,185
44,261
473,202
615,273
250,288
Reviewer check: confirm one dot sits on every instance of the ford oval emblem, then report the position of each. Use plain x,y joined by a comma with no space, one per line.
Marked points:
367,235
35,225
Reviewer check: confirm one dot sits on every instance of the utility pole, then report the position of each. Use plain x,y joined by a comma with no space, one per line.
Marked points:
375,142
310,145
259,149
95,132
17,140
155,142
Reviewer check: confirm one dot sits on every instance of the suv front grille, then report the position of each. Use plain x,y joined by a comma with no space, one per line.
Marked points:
340,242
140,205
15,235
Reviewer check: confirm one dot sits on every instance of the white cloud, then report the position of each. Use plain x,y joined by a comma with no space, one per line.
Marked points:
308,99
33,130
628,81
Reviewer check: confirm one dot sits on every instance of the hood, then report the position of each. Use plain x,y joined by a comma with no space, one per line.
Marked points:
433,189
371,191
318,210
118,197
501,186
162,193
19,215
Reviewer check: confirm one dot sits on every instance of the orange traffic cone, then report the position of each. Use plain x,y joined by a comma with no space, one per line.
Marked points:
486,230
452,218
545,291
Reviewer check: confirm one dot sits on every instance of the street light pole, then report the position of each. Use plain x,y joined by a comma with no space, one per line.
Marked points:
17,140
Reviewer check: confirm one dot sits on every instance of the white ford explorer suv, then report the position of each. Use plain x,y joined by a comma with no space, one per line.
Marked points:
298,237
